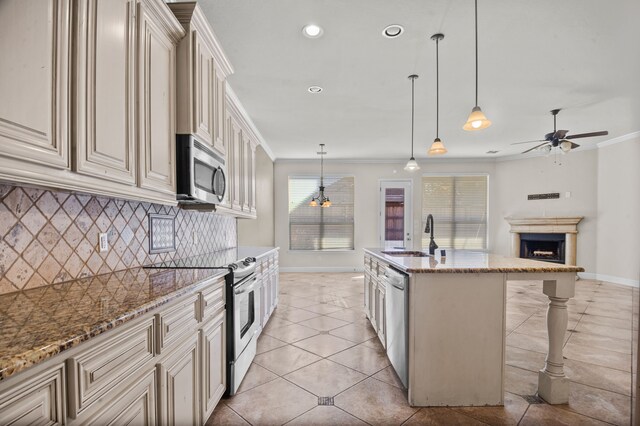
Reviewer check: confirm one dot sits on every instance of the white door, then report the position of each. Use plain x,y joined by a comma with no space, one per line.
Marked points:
396,214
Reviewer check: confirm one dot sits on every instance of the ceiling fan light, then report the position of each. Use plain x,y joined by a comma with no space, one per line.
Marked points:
565,146
546,149
477,120
412,165
437,148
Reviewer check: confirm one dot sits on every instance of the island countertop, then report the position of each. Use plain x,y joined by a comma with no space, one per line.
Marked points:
39,323
467,261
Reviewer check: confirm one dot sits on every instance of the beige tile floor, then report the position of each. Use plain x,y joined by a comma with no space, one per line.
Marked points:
318,343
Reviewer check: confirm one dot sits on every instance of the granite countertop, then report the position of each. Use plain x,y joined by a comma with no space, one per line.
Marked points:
467,261
257,252
39,323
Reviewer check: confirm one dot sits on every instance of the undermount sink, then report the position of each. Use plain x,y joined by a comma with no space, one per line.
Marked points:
406,253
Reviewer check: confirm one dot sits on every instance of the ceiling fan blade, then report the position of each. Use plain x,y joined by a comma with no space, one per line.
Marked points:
587,135
560,134
537,140
535,147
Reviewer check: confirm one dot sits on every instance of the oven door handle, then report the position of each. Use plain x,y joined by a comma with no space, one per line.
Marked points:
246,287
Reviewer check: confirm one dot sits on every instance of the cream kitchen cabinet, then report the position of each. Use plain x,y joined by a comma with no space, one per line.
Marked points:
375,296
202,72
37,399
241,165
179,385
122,59
34,89
267,274
166,367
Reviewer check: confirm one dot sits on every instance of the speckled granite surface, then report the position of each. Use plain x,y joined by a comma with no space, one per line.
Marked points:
466,261
39,323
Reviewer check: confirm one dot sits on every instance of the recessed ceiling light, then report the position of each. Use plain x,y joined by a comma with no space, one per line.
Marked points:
312,31
392,31
315,89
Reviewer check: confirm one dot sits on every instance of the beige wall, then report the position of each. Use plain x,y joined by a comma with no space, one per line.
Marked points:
618,236
576,173
367,180
260,231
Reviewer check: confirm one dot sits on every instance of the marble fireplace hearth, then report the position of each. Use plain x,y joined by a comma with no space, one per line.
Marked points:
546,225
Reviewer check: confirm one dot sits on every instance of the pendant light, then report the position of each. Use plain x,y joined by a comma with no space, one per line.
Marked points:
320,199
477,120
437,147
412,165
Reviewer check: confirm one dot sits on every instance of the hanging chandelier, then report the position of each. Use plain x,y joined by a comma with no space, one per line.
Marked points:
321,199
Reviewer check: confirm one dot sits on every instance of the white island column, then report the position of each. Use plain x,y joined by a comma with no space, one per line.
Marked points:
553,385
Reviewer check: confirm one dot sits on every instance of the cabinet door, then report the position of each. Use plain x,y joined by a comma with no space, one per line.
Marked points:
246,173
382,325
367,299
203,90
105,121
234,168
34,103
252,181
213,345
38,400
156,99
179,385
219,142
135,404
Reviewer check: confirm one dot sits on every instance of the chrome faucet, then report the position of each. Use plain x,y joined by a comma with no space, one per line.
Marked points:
429,228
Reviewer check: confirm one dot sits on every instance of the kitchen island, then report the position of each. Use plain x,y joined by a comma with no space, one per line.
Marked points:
456,319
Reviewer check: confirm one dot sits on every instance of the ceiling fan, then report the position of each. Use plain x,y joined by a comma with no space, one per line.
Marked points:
559,138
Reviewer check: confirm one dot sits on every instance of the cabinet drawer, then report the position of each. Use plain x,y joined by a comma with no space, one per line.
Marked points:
100,367
212,299
176,322
38,400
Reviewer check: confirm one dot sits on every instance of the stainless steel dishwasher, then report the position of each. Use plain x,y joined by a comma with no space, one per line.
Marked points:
397,321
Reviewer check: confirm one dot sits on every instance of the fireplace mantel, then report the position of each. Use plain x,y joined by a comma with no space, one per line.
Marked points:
546,225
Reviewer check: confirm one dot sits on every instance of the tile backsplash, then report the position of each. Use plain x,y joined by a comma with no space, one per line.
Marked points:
52,236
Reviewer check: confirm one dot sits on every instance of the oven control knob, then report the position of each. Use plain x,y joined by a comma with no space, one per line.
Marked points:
233,266
250,260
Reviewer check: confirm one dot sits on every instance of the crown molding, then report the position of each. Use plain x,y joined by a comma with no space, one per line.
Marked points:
619,139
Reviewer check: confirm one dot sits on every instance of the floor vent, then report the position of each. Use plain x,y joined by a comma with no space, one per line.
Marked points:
533,399
325,400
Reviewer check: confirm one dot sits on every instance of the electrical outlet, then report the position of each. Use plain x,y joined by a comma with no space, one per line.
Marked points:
103,242
567,194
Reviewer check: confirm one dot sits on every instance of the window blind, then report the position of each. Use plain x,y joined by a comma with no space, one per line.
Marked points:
459,208
319,228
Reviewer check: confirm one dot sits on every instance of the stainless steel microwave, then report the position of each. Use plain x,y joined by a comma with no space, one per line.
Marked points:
200,174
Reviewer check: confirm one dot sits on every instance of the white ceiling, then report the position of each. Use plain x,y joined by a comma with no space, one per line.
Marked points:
579,55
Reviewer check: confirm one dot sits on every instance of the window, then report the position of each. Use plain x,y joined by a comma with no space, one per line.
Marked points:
318,228
459,208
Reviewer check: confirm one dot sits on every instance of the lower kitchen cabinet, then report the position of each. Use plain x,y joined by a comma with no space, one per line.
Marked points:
212,343
166,367
179,384
135,404
40,399
268,273
375,297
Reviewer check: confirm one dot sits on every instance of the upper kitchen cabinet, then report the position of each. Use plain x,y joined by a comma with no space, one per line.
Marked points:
93,112
241,165
158,33
105,96
201,79
35,69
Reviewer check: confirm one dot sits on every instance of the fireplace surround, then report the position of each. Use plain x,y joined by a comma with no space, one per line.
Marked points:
550,234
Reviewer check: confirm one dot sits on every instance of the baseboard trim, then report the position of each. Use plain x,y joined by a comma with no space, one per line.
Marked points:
609,278
320,269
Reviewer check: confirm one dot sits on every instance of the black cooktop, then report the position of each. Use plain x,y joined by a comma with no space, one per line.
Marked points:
215,260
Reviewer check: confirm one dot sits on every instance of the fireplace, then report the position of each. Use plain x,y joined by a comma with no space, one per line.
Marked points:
551,239
545,247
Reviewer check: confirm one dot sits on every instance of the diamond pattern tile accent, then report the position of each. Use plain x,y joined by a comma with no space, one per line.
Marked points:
51,236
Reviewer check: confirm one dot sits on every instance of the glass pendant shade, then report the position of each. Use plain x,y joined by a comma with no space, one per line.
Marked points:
565,146
327,203
412,165
477,120
313,203
437,148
